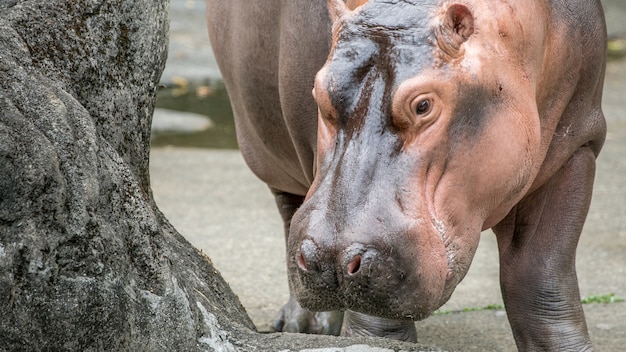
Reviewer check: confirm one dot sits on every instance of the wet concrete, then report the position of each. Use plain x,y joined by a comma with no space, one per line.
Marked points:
214,201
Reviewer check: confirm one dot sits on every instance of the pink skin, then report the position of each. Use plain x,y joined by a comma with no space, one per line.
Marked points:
450,200
491,119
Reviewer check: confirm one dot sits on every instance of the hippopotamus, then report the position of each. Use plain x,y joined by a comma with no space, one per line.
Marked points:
393,132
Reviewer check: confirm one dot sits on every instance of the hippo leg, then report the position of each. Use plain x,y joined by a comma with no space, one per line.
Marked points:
359,324
292,317
537,243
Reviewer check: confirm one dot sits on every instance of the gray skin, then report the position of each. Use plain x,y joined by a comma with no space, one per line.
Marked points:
429,122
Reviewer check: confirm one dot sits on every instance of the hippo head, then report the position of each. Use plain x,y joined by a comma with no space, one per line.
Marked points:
424,140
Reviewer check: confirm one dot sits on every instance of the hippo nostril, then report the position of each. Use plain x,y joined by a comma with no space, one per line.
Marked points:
307,257
354,265
302,262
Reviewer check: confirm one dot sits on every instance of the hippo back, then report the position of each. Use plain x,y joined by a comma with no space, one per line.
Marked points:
268,52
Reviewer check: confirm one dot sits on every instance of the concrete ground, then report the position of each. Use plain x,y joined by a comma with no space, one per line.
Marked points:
219,206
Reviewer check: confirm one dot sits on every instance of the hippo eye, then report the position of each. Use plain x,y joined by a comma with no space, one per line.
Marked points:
414,111
423,107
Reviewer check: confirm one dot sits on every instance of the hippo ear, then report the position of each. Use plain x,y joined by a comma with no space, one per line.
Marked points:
456,27
336,9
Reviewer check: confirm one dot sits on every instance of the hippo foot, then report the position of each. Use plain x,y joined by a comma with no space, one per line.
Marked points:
293,318
359,324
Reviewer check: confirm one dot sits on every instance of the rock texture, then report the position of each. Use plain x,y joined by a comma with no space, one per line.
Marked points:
87,261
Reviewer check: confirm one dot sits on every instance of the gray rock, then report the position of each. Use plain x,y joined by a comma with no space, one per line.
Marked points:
7,3
87,262
165,120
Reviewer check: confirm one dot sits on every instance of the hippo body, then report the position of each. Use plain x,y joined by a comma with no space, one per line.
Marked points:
429,122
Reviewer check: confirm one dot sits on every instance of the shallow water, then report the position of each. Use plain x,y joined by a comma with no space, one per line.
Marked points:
208,99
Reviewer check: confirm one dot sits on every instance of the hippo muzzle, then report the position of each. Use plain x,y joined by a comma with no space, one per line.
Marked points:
393,218
368,238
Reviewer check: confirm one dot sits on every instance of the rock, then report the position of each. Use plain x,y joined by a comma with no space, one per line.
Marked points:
7,3
87,262
165,120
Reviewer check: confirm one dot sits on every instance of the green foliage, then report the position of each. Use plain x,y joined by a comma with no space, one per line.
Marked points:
598,299
471,309
609,298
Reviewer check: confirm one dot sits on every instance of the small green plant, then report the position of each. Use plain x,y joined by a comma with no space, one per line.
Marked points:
471,309
610,298
601,299
616,48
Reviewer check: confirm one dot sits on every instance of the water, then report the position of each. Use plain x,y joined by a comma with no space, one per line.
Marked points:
209,99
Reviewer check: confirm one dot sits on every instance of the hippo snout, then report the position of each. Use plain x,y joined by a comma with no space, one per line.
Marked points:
359,270
349,261
382,248
366,277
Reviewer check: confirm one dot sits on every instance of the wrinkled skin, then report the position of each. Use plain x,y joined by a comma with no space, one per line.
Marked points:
435,120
